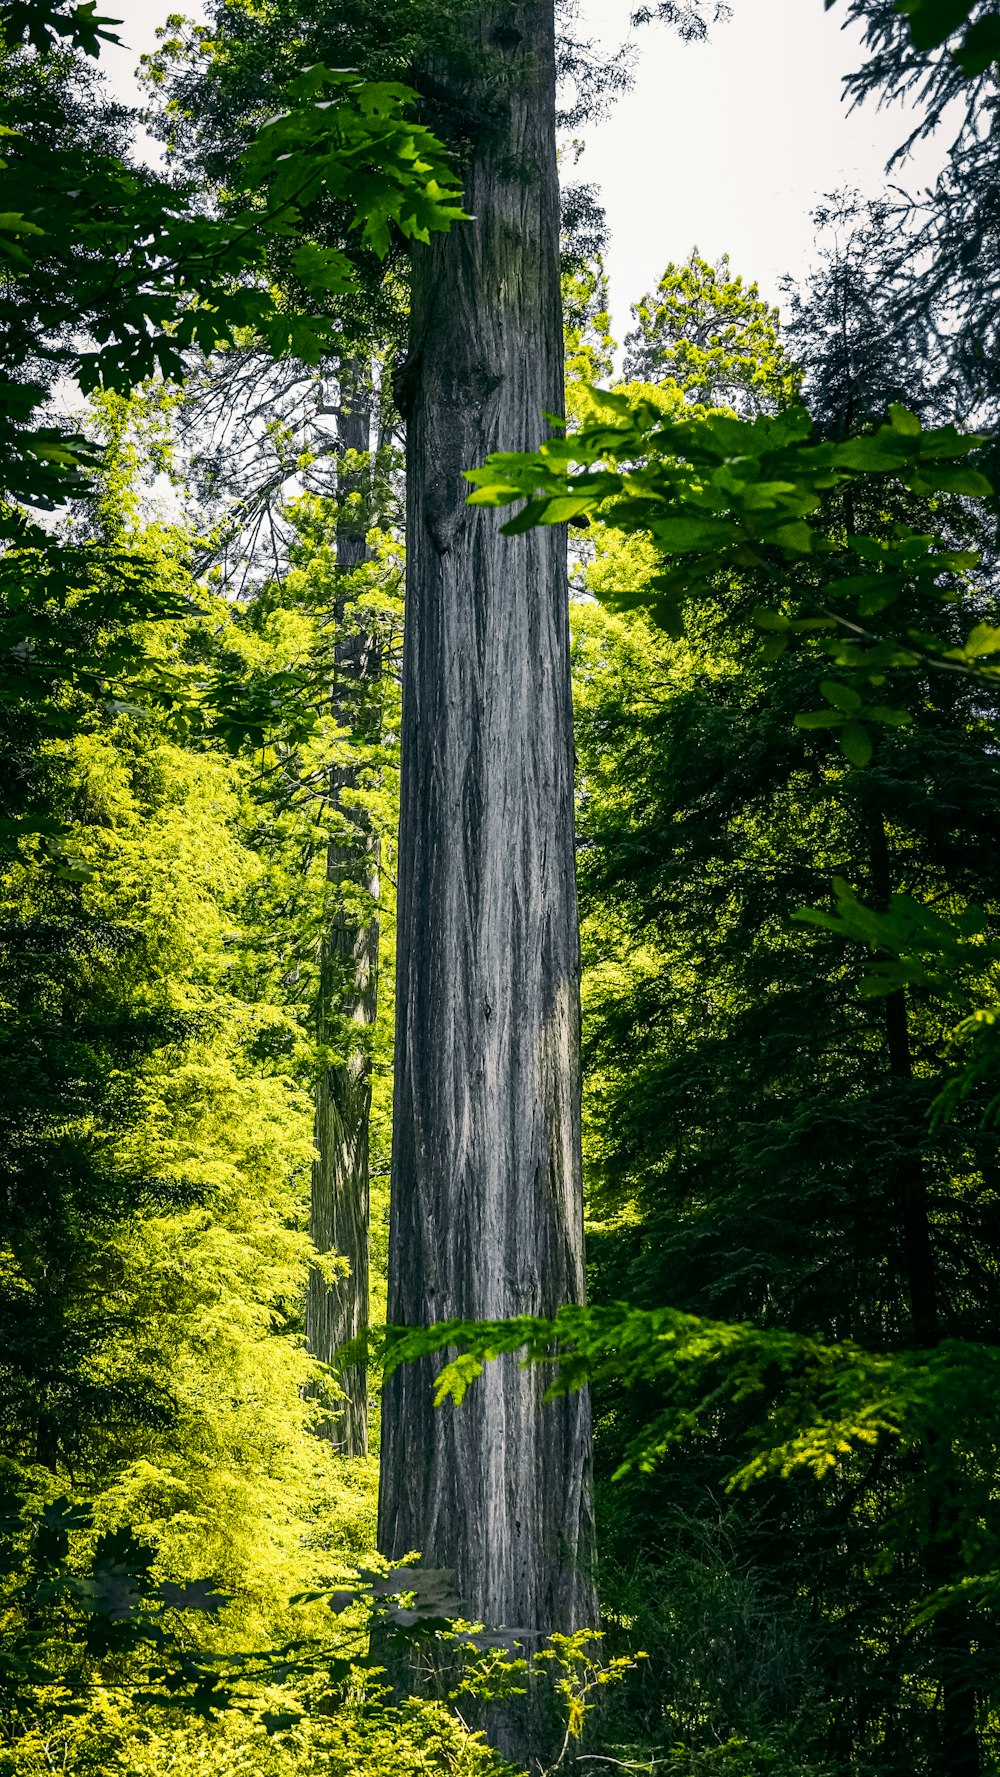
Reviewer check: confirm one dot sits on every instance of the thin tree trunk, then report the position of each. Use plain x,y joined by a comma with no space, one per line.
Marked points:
914,1214
958,1751
486,1215
337,1310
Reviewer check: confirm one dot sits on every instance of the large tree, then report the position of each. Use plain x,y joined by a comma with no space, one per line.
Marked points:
486,1202
486,1215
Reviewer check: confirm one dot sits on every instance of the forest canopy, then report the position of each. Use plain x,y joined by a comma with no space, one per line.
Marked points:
499,929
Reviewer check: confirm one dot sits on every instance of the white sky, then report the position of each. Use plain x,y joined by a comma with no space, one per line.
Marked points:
726,145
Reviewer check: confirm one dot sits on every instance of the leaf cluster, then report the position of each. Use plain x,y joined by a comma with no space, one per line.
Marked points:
725,498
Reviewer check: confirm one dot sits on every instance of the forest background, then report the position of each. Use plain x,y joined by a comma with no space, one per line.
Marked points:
789,1088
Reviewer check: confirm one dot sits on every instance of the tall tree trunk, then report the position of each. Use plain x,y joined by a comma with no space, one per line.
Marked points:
337,1310
958,1750
914,1215
486,1215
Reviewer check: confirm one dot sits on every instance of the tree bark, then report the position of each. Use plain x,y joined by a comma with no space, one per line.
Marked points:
958,1752
337,1311
914,1212
486,1213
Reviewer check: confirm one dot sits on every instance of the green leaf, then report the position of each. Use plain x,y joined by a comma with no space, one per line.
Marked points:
343,1599
843,697
876,452
766,619
795,536
565,507
880,712
607,398
979,47
668,615
496,493
931,21
959,479
773,648
321,268
856,743
679,536
984,639
193,1595
276,1722
903,421
819,719
530,515
12,222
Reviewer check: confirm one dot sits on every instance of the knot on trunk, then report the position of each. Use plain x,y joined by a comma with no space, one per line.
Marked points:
405,382
507,38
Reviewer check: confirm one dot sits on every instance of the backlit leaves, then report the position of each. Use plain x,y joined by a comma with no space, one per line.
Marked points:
725,500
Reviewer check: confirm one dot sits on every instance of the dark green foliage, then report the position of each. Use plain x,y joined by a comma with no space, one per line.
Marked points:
935,272
720,497
223,77
217,83
762,1163
906,34
853,327
790,1098
69,1050
48,25
158,985
79,1608
90,1634
93,245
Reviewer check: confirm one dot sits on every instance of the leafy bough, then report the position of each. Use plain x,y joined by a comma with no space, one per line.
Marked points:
954,956
933,23
85,1617
727,500
831,1411
111,277
764,504
737,504
133,262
